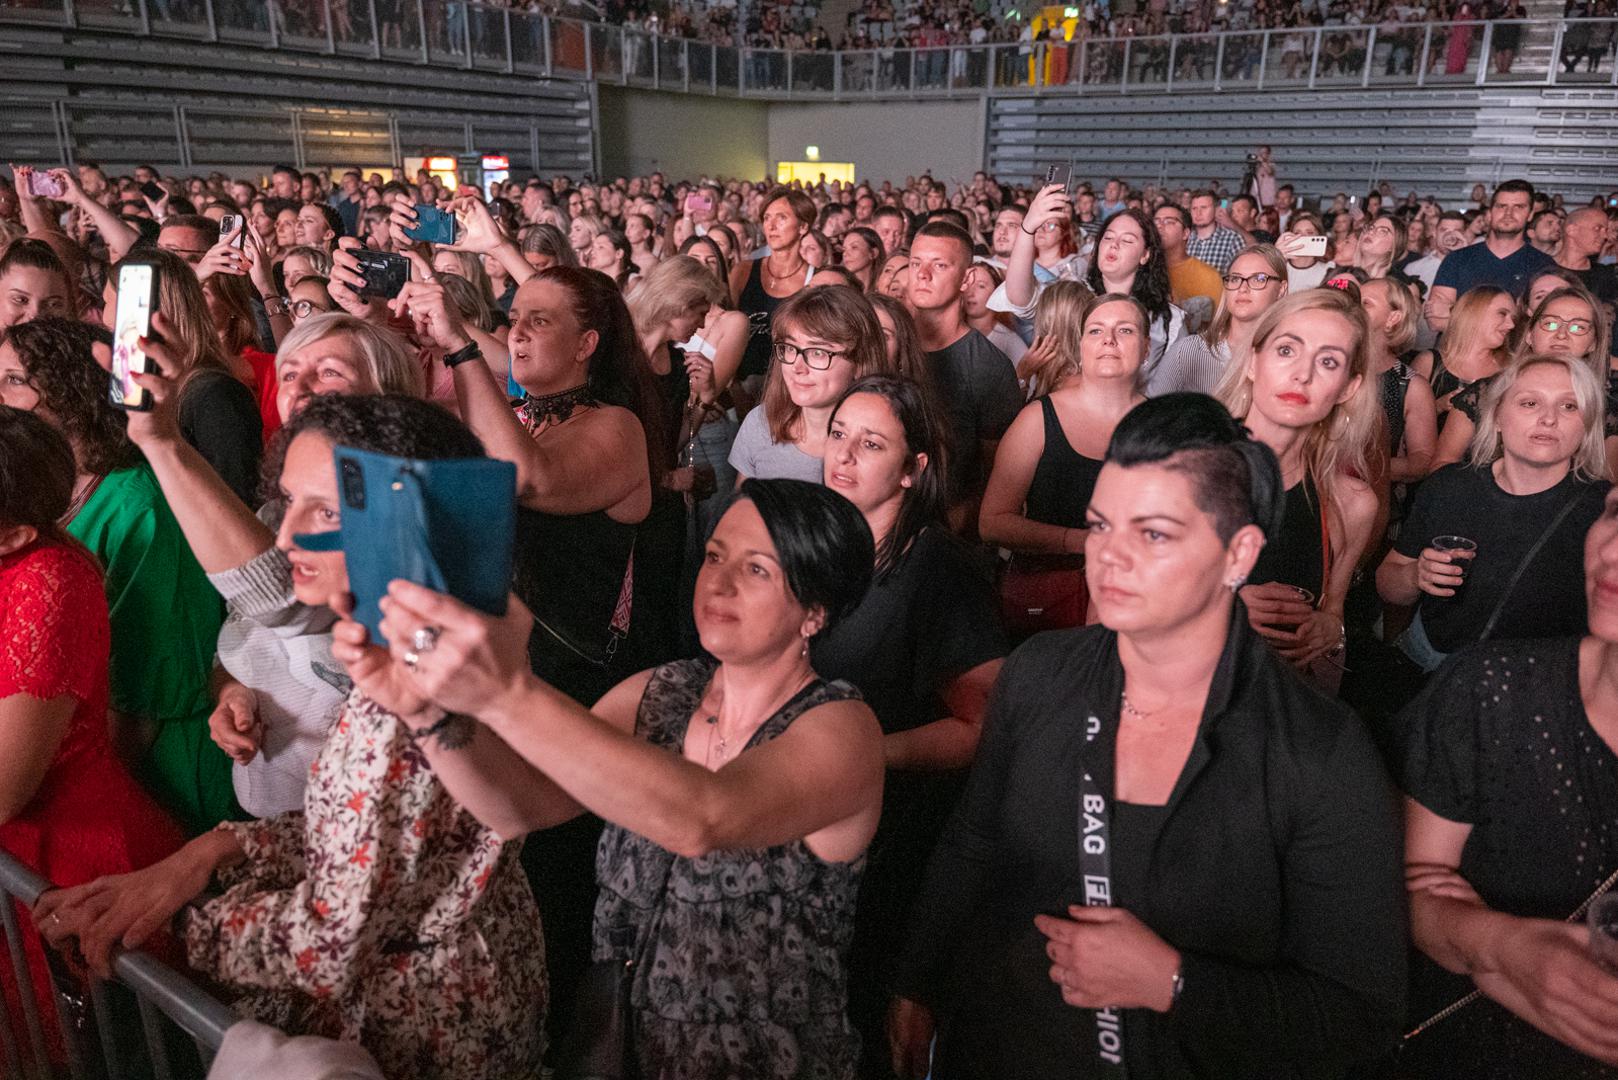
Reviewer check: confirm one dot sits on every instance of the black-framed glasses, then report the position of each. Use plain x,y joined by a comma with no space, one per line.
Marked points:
1576,327
820,359
1255,282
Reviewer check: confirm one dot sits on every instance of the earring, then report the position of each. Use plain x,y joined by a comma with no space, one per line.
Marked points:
805,650
1234,584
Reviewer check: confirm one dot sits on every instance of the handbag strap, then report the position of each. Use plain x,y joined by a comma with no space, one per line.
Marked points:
1460,1003
1522,567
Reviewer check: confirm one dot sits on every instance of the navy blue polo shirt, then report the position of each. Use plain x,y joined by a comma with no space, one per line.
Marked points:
1468,267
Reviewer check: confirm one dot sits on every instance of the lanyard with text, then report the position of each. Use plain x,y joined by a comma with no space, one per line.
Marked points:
1095,864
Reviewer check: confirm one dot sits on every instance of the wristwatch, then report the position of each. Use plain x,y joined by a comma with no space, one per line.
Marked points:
469,351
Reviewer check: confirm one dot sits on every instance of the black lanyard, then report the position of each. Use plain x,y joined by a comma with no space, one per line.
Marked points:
1095,864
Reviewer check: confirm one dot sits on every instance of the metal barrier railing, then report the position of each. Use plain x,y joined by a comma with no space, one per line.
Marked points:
93,1048
474,37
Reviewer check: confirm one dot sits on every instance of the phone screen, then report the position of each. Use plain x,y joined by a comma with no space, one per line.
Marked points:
134,321
698,204
45,186
230,227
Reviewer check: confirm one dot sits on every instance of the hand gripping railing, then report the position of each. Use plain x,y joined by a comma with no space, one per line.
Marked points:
159,992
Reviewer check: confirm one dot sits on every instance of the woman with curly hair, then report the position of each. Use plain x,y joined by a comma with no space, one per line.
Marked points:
165,615
1129,262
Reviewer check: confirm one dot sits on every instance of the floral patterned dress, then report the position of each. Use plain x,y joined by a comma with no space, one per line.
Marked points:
743,972
382,914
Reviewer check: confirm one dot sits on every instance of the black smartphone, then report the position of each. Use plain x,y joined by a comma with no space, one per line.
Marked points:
153,192
1060,174
233,228
385,273
137,299
433,226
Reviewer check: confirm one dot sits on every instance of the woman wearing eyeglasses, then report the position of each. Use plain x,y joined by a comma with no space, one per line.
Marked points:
1381,244
823,340
1256,280
309,297
1567,322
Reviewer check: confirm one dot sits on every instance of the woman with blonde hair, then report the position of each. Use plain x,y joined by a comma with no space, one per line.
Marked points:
1047,463
823,340
1549,330
1535,482
1254,283
1477,344
1304,393
1408,413
1054,356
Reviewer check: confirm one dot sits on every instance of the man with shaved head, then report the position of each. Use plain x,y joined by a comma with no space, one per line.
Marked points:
1584,234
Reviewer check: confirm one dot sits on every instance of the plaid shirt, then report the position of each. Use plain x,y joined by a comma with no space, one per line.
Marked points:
1218,250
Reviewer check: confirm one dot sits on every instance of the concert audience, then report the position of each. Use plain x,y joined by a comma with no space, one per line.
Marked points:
794,430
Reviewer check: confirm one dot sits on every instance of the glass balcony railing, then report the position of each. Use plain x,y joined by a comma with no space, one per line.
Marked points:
458,33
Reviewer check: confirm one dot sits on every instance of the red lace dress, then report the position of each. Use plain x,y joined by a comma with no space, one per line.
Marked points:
88,817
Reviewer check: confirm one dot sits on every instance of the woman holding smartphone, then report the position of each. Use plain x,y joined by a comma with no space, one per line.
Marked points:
446,978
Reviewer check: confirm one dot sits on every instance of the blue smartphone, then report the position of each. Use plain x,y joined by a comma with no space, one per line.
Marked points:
448,525
433,226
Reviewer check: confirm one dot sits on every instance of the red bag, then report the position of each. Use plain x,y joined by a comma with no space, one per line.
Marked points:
1043,592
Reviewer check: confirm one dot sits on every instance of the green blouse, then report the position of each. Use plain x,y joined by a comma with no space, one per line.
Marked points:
165,624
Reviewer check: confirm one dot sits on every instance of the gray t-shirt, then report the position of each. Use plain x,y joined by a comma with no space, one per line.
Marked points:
757,456
981,399
1189,364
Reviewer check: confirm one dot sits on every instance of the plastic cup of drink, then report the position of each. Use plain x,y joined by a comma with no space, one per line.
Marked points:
1603,922
1460,550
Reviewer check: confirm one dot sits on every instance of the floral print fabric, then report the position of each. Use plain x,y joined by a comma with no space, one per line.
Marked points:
383,914
743,972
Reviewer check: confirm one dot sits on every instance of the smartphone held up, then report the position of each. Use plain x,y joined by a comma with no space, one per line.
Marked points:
137,299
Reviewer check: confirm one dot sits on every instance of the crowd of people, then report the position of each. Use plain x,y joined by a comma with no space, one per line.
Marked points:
450,25
1016,629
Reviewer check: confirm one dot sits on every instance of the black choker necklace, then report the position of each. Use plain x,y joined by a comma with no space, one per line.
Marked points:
537,412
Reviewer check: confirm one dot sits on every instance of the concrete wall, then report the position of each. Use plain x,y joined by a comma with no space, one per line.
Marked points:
692,135
885,141
642,131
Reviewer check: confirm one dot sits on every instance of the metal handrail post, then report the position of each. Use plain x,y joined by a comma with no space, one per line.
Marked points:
511,60
1263,58
466,35
1174,48
213,23
331,33
1314,57
421,19
1483,53
1370,56
1556,54
1426,54
376,31
1219,65
685,65
1123,75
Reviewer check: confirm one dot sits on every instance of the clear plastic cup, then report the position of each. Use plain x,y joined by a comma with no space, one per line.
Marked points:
1603,922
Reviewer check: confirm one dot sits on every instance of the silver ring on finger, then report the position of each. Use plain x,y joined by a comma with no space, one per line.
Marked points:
425,639
411,659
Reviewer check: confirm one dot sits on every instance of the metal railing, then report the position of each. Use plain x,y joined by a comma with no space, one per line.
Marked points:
90,1039
470,36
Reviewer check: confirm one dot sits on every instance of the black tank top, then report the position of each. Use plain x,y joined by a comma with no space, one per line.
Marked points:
570,571
1394,384
1063,480
759,306
1295,556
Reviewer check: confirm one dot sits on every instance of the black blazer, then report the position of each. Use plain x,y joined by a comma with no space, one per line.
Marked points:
1277,873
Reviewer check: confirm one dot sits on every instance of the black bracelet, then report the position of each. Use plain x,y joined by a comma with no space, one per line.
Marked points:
452,730
1034,232
470,351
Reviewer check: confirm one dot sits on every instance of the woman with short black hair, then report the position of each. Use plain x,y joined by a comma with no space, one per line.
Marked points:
1200,853
742,790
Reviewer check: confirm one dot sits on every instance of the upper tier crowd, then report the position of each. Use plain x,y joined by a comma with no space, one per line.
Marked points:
1024,630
